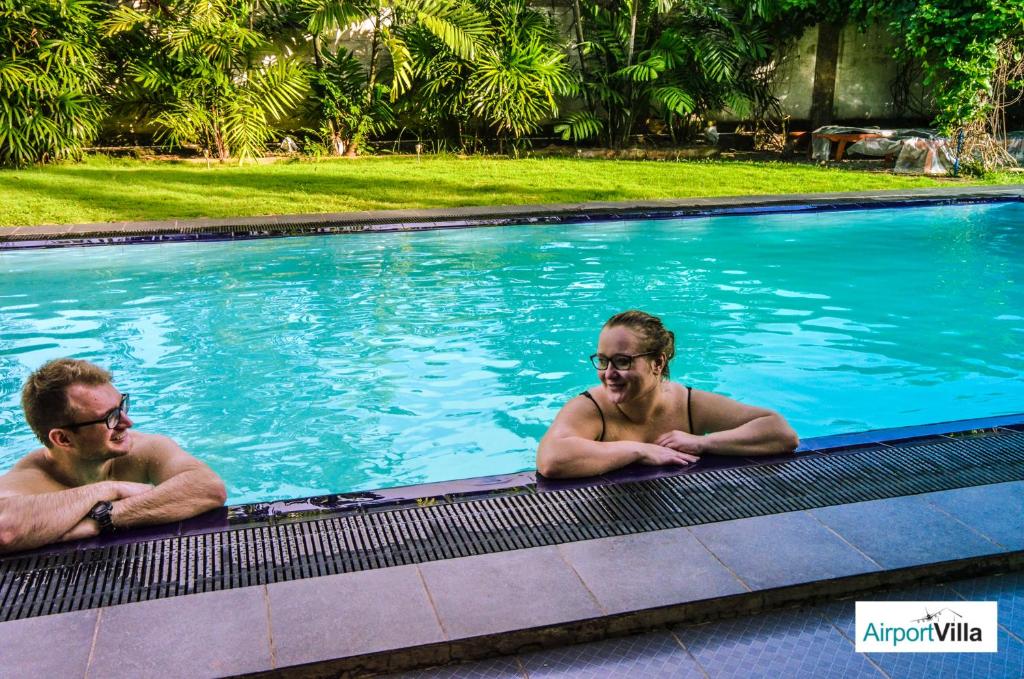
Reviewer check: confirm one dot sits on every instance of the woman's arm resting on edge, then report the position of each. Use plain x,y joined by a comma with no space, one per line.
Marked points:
735,429
569,450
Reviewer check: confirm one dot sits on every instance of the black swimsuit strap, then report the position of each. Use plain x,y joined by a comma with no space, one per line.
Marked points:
689,410
599,412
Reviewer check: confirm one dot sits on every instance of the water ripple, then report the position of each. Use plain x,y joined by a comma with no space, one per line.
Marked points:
325,364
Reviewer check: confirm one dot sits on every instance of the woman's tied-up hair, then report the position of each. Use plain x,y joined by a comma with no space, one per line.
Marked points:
44,398
657,339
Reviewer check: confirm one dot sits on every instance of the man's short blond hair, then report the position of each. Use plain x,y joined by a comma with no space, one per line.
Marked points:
44,398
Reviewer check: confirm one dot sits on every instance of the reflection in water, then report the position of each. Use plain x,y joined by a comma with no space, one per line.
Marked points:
314,365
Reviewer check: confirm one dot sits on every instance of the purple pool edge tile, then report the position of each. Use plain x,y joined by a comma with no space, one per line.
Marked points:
131,536
218,519
384,497
545,485
894,434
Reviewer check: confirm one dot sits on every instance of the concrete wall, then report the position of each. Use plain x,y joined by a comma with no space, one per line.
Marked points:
864,75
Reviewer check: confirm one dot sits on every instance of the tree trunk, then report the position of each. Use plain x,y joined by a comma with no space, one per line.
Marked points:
630,104
219,143
371,80
577,22
825,61
318,61
337,143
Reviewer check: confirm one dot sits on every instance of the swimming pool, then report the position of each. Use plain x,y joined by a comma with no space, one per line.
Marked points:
323,364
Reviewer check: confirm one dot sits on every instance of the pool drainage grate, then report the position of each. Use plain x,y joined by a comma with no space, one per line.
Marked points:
42,584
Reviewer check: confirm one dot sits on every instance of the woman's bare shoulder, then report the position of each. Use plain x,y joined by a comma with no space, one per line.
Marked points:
579,415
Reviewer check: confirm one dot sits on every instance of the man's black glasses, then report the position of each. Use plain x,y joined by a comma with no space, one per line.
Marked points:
111,419
618,361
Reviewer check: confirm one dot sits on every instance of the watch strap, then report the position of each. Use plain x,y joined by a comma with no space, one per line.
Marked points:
101,513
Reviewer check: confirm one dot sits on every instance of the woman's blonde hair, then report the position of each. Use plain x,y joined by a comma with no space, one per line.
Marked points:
657,338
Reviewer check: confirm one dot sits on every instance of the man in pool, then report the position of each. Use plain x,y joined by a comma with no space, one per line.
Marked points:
637,415
94,475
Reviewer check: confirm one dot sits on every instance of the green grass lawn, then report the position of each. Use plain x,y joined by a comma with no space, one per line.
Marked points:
103,189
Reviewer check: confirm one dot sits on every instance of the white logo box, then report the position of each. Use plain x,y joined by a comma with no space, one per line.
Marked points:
927,626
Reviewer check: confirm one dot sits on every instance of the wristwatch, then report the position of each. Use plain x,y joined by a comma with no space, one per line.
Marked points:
101,514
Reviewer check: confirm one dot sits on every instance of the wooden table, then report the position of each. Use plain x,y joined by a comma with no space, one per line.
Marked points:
843,138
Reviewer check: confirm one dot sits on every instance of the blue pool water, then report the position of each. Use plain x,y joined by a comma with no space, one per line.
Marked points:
309,365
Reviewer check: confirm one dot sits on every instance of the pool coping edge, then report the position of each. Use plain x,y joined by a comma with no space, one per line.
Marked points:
571,632
383,221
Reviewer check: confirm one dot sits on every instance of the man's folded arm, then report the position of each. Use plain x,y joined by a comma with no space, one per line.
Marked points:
184,487
30,519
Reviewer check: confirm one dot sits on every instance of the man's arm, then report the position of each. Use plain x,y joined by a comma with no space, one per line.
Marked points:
736,429
568,449
184,488
32,515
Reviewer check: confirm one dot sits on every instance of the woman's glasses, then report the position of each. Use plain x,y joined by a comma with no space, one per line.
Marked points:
618,361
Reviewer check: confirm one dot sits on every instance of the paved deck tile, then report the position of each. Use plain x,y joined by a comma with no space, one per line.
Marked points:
649,656
1007,590
341,615
493,593
199,635
795,643
781,549
27,647
996,510
904,531
660,568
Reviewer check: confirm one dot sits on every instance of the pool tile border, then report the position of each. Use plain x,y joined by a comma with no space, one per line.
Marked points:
384,221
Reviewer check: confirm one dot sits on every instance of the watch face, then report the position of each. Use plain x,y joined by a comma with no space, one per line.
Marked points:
100,513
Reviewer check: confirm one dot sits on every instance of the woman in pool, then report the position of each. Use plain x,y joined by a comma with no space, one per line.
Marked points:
637,415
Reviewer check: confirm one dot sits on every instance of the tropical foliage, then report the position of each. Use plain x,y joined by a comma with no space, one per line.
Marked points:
512,80
50,76
206,74
227,77
399,29
347,107
456,66
961,44
668,63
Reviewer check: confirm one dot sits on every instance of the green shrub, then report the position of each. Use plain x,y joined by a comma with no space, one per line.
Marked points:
50,74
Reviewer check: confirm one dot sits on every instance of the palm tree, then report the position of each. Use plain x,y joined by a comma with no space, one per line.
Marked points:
50,77
348,110
670,60
513,81
208,73
394,25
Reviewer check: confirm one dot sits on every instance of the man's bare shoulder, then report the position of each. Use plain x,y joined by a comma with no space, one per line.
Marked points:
30,475
154,459
155,446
